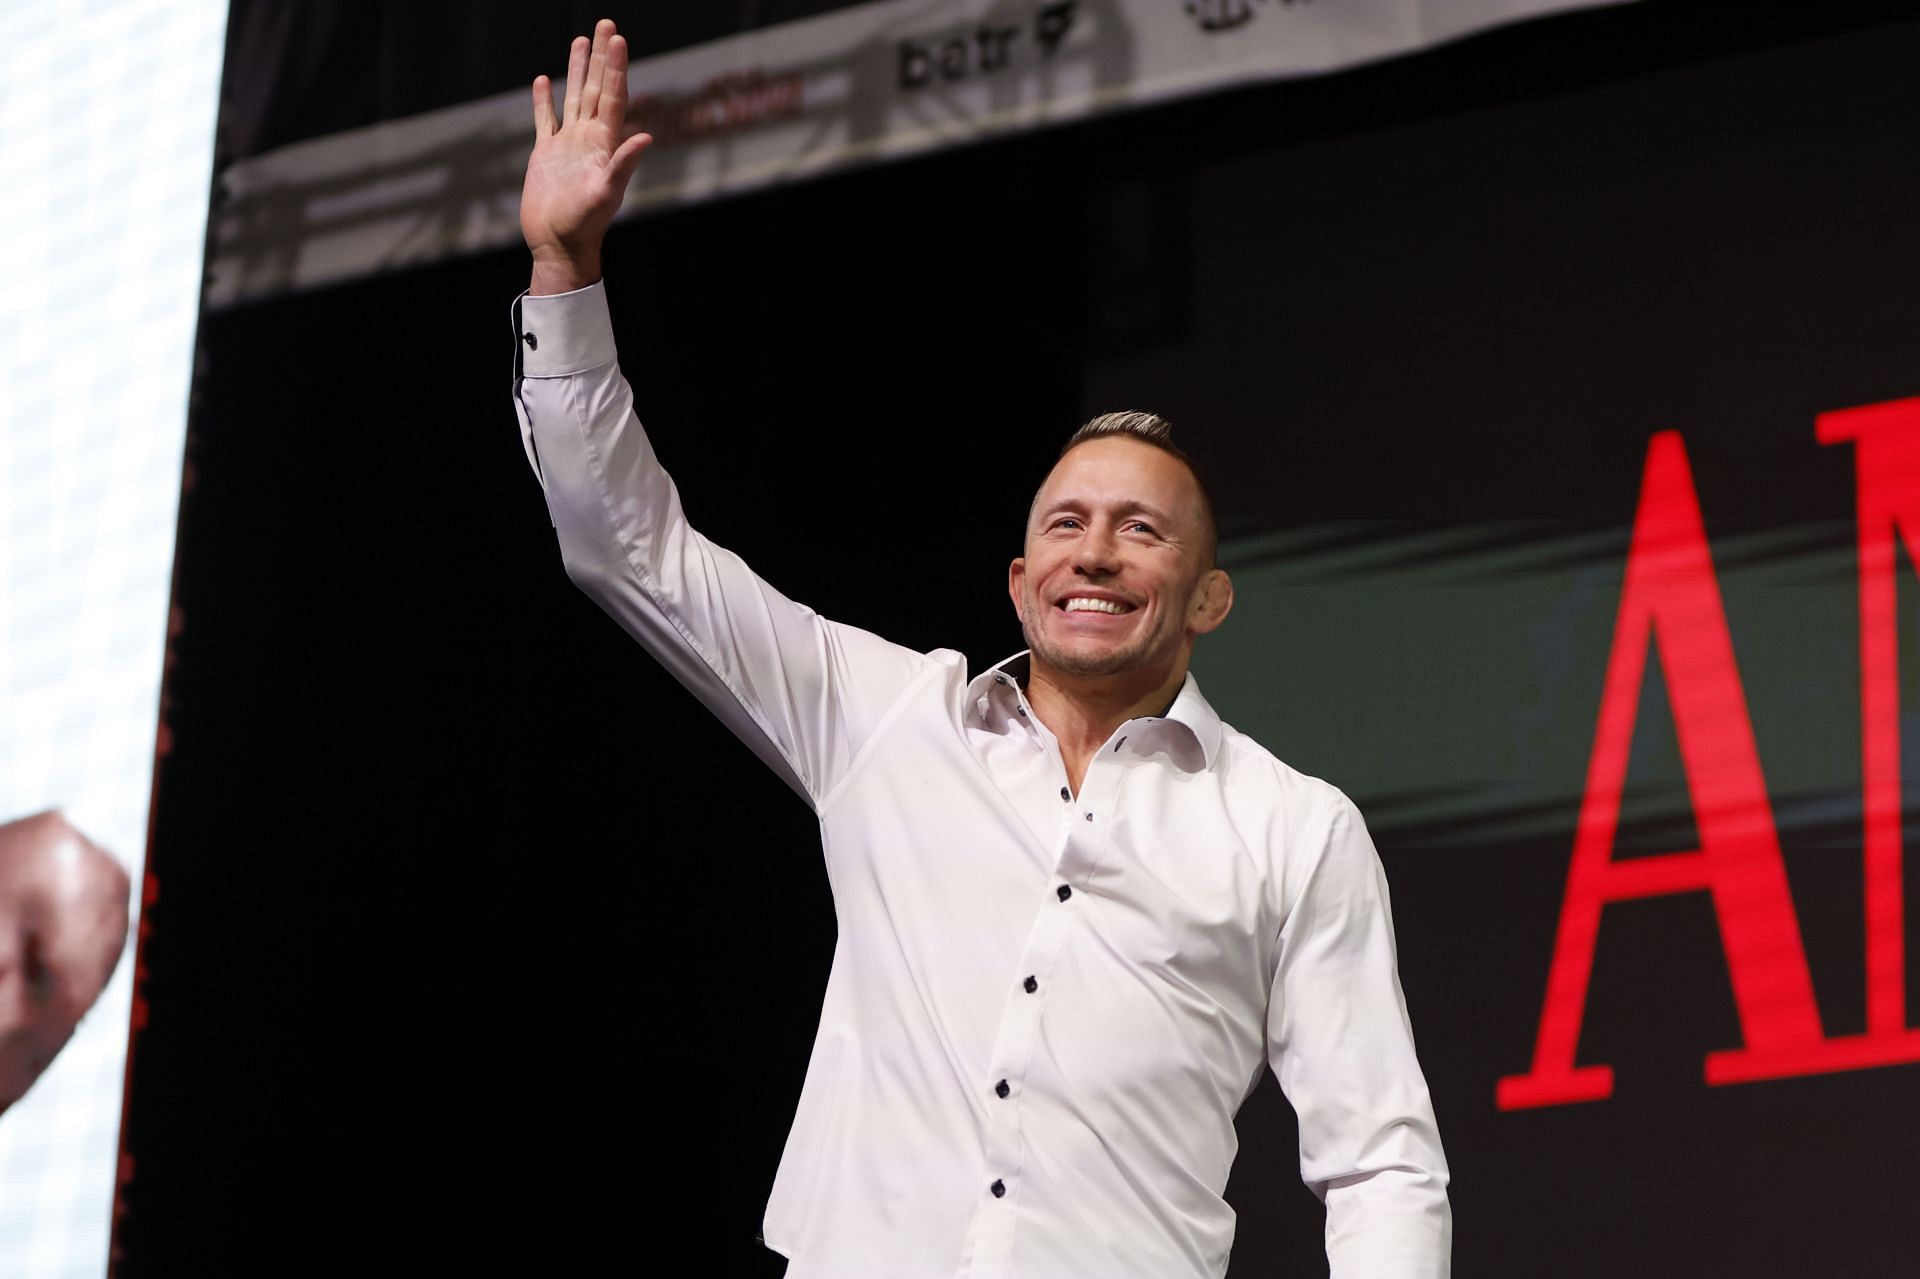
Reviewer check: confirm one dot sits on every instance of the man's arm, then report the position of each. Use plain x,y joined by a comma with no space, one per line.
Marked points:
803,692
1342,1048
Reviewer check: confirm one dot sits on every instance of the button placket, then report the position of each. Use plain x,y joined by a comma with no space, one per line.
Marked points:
1080,844
1082,839
1084,834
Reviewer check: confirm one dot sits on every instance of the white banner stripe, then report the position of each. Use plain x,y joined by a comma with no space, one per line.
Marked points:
876,82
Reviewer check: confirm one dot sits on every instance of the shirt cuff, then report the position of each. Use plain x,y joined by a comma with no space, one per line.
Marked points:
561,334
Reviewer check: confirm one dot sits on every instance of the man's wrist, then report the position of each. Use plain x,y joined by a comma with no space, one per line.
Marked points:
562,274
565,333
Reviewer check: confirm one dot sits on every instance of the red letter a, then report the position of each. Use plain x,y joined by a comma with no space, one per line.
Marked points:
1672,595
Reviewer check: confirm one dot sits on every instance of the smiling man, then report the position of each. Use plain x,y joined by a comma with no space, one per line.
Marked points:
1078,914
1117,579
63,924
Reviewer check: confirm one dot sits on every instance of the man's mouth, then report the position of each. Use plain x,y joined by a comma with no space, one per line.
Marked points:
1090,604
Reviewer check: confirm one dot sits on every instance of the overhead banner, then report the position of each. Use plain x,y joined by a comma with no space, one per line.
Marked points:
873,82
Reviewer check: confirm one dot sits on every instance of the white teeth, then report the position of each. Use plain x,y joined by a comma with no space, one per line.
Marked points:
1084,604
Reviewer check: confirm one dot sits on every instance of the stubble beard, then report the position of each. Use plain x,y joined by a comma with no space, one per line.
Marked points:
1113,661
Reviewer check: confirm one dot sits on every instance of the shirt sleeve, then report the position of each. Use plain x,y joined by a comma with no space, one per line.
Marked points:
1340,1043
803,692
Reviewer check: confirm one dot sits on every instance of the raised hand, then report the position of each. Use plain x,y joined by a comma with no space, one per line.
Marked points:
581,163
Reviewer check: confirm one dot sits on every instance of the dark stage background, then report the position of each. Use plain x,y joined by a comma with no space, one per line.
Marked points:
478,948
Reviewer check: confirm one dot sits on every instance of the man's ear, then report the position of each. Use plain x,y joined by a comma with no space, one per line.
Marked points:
1212,601
1016,577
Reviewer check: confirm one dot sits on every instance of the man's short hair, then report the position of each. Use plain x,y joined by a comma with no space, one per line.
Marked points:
1154,430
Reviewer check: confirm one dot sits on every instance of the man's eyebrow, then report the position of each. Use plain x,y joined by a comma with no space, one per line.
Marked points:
1130,506
1136,506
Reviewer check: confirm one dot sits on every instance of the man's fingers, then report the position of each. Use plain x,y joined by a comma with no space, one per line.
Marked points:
576,79
596,69
627,158
542,107
613,93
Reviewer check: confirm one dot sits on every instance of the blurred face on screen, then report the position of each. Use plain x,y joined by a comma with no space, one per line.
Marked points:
1116,577
63,923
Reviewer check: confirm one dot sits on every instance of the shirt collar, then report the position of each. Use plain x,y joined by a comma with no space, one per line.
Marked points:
1190,711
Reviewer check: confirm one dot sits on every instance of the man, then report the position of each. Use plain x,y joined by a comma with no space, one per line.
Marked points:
63,924
1078,914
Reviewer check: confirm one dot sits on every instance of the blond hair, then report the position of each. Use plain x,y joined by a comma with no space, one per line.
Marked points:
1154,430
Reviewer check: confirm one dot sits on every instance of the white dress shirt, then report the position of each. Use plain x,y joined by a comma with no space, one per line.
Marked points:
1044,1008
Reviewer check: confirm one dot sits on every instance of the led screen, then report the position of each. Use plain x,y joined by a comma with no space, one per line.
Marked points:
104,165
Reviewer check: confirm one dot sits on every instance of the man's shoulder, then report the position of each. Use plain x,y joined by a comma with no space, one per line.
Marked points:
939,677
1255,769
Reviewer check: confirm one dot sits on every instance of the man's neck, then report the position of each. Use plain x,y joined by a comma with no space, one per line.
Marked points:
1083,711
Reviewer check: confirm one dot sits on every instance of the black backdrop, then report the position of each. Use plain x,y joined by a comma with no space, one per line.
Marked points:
477,947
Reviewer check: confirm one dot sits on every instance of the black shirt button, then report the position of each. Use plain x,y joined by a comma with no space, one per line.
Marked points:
1001,1088
533,343
1031,985
1089,816
998,1188
1063,892
1066,795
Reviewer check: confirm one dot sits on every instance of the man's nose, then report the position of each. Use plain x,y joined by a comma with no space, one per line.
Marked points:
1097,552
14,1002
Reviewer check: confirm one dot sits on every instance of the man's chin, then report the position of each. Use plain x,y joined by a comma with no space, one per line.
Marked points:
1085,659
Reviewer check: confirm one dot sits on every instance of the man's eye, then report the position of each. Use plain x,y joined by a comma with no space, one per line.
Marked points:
1142,525
1068,522
36,970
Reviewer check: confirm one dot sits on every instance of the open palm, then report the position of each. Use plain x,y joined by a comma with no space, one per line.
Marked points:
581,161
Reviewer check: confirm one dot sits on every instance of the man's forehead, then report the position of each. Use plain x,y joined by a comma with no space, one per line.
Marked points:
1119,472
51,876
60,862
